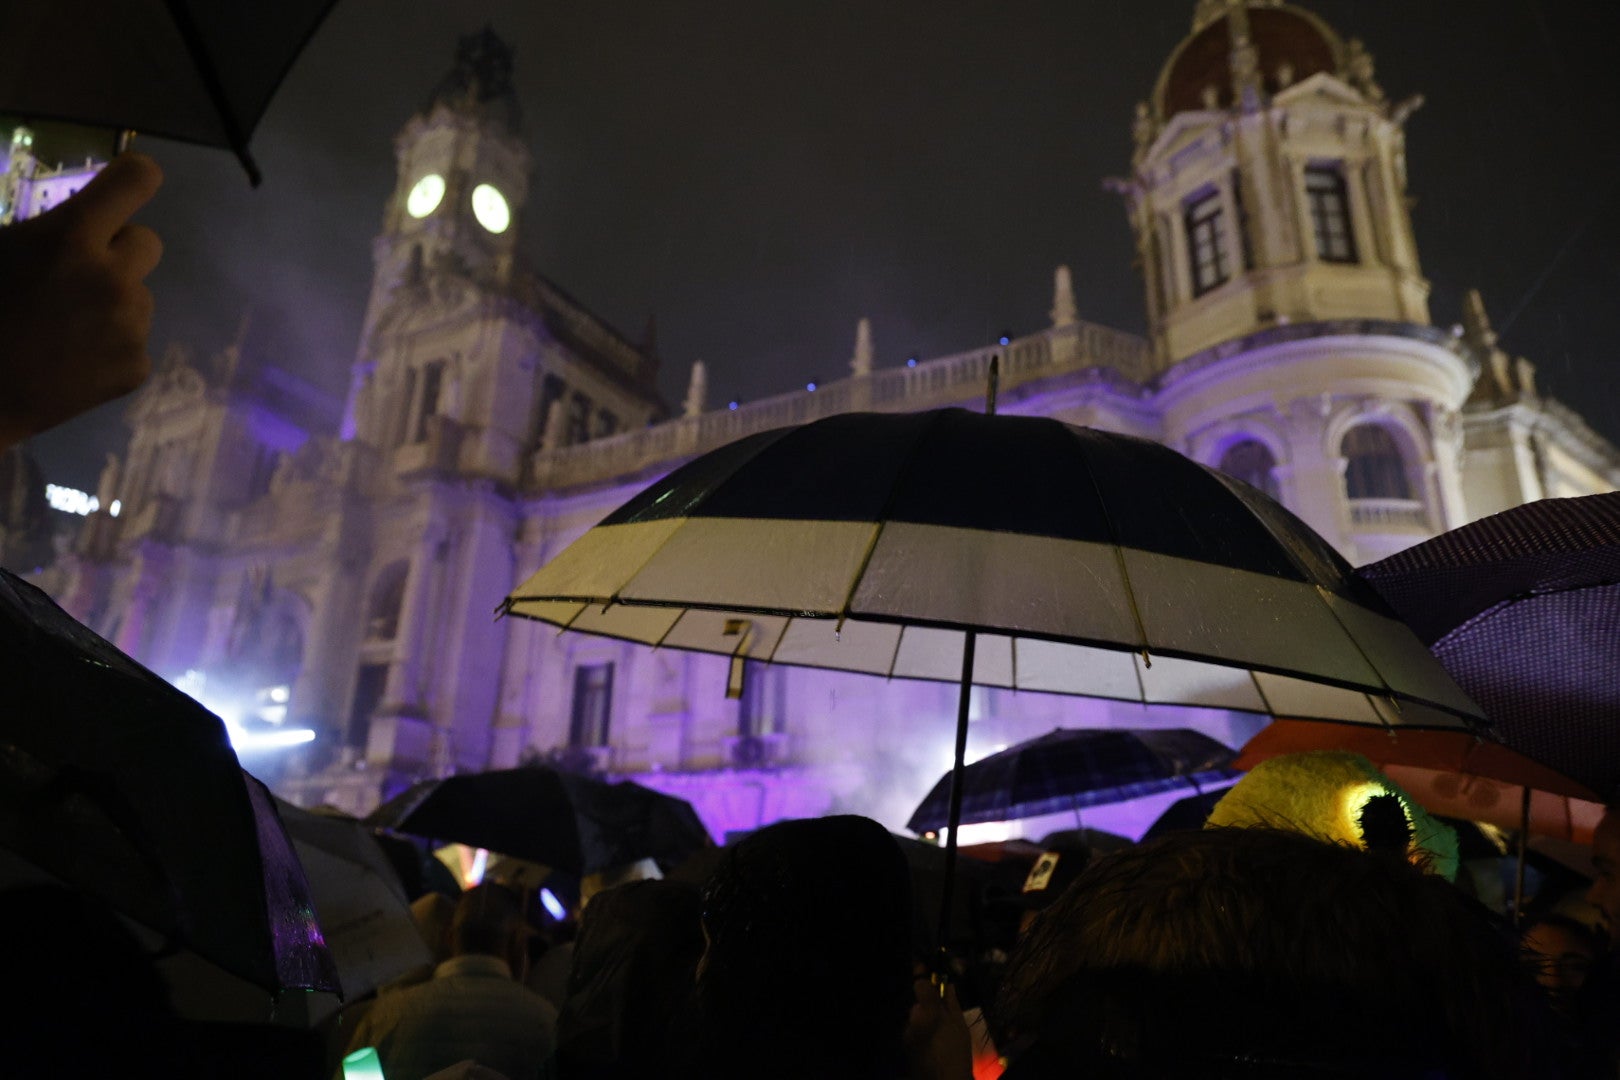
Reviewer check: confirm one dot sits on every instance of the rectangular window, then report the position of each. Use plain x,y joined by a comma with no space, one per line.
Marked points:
551,391
432,380
1329,203
606,424
1206,241
1242,220
368,693
593,698
579,420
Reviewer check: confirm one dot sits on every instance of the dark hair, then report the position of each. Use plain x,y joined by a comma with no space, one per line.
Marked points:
631,981
808,966
486,918
1257,952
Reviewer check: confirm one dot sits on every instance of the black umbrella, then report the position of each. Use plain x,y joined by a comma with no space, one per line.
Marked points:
1008,551
1073,769
183,69
561,820
117,783
1184,815
1523,609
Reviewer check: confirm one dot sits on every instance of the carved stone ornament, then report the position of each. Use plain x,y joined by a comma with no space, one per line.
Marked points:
440,299
317,463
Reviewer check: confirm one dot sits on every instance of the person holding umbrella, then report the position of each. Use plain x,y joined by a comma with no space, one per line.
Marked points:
73,300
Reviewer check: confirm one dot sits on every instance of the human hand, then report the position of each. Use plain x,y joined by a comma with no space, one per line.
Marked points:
938,1043
73,301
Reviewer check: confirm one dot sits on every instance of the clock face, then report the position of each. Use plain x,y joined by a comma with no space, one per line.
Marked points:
489,207
424,197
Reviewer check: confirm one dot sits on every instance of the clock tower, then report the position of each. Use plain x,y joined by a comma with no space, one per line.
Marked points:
463,177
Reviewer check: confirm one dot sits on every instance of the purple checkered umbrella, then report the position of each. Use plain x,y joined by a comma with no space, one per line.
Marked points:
1523,609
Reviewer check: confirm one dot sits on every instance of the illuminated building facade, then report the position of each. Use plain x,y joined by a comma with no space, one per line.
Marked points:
340,562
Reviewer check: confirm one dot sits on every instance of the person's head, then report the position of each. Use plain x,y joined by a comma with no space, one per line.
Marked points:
1198,949
808,957
489,922
1605,891
631,980
1561,952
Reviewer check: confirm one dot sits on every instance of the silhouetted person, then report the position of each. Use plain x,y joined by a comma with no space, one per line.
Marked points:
473,1007
1259,953
631,984
808,969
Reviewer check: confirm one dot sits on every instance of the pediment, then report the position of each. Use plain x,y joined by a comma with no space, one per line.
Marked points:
1320,88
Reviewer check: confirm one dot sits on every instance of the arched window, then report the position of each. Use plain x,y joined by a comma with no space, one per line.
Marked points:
1251,462
1374,468
387,597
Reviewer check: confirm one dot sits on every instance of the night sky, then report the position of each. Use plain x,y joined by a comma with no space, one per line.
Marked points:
760,175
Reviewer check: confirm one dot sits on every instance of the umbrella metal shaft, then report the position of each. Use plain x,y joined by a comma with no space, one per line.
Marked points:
964,696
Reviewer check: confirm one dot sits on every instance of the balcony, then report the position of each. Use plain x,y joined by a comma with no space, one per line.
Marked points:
1389,515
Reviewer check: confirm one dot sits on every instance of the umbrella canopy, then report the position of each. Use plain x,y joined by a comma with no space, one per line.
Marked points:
877,542
1184,815
198,72
1523,609
558,819
117,783
1071,770
361,902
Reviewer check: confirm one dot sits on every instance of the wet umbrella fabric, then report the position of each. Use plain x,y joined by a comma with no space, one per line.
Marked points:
1083,562
1184,815
558,819
115,782
362,905
197,72
1523,609
1073,769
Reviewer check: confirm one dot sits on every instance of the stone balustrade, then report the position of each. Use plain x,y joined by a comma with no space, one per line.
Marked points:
947,380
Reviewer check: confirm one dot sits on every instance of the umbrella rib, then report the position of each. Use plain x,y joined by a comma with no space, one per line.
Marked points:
1265,702
203,65
1389,691
781,637
883,515
1119,555
670,629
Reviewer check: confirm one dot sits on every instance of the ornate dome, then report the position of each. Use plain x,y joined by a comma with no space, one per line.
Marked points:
1287,40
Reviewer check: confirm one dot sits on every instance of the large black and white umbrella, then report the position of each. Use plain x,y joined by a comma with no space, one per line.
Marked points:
1008,551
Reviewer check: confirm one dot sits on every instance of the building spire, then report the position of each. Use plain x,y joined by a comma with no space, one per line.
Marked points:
861,363
1212,11
1244,60
1064,312
697,390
